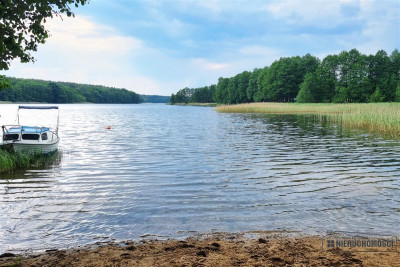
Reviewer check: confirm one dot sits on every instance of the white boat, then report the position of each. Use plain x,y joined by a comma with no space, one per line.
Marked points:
30,139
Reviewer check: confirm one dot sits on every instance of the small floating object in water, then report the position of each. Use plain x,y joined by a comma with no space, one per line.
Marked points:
108,127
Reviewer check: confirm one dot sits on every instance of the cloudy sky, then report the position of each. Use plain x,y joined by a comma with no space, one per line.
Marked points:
159,47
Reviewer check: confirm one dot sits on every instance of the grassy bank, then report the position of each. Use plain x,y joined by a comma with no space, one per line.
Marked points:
383,118
10,162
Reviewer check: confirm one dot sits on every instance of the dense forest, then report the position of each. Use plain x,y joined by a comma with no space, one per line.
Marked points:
344,78
29,90
154,99
196,95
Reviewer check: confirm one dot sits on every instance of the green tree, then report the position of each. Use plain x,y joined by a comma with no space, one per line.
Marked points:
283,78
201,95
22,28
308,88
211,91
319,86
269,83
4,82
380,75
377,96
347,77
172,99
252,86
353,84
154,99
395,60
233,95
221,92
398,93
183,96
28,90
242,83
259,96
309,63
395,70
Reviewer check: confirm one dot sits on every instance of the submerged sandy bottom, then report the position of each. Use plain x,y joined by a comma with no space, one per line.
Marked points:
262,249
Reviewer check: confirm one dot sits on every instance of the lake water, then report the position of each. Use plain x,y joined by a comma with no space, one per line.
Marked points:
171,171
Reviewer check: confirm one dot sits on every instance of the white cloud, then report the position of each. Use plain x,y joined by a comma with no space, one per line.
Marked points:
318,13
258,50
172,26
193,43
214,7
382,28
82,35
368,25
81,51
207,65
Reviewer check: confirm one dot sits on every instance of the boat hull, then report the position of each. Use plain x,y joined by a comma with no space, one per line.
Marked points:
35,148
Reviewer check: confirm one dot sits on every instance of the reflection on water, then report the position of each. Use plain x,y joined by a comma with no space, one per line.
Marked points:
170,170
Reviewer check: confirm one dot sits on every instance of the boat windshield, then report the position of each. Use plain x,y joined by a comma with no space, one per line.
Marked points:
30,136
10,137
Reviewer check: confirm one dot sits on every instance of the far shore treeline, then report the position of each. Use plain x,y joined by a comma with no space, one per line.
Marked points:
350,77
31,90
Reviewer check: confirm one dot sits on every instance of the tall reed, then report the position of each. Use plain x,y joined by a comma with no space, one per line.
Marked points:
383,118
10,161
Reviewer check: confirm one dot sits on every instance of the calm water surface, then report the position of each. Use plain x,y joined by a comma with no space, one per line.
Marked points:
172,171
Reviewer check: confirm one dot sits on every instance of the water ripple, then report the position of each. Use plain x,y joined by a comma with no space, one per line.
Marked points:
169,171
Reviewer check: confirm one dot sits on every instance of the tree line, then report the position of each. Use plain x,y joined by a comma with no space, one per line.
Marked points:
30,90
154,99
196,95
344,78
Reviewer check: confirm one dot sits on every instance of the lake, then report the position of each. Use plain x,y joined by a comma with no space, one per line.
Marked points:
173,171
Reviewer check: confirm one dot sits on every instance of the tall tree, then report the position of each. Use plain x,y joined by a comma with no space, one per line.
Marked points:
347,77
252,85
283,78
380,75
261,86
308,89
221,92
353,83
233,95
309,63
22,27
242,83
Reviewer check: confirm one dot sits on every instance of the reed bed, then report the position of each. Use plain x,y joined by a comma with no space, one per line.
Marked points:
10,161
382,118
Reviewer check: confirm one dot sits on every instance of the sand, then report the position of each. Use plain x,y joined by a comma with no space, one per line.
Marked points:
211,250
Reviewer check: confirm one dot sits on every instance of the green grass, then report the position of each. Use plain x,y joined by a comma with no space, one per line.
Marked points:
10,161
382,118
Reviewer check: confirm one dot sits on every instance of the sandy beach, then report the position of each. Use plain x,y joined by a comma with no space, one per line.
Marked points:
211,250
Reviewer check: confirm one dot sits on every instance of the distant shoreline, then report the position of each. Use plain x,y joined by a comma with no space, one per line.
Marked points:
195,104
382,118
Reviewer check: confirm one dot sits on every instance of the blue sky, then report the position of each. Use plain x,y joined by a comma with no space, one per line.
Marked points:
159,47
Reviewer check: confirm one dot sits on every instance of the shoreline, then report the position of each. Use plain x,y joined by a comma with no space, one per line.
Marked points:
381,118
264,248
194,104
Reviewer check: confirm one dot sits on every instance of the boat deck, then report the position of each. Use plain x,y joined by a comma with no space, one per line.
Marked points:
28,129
